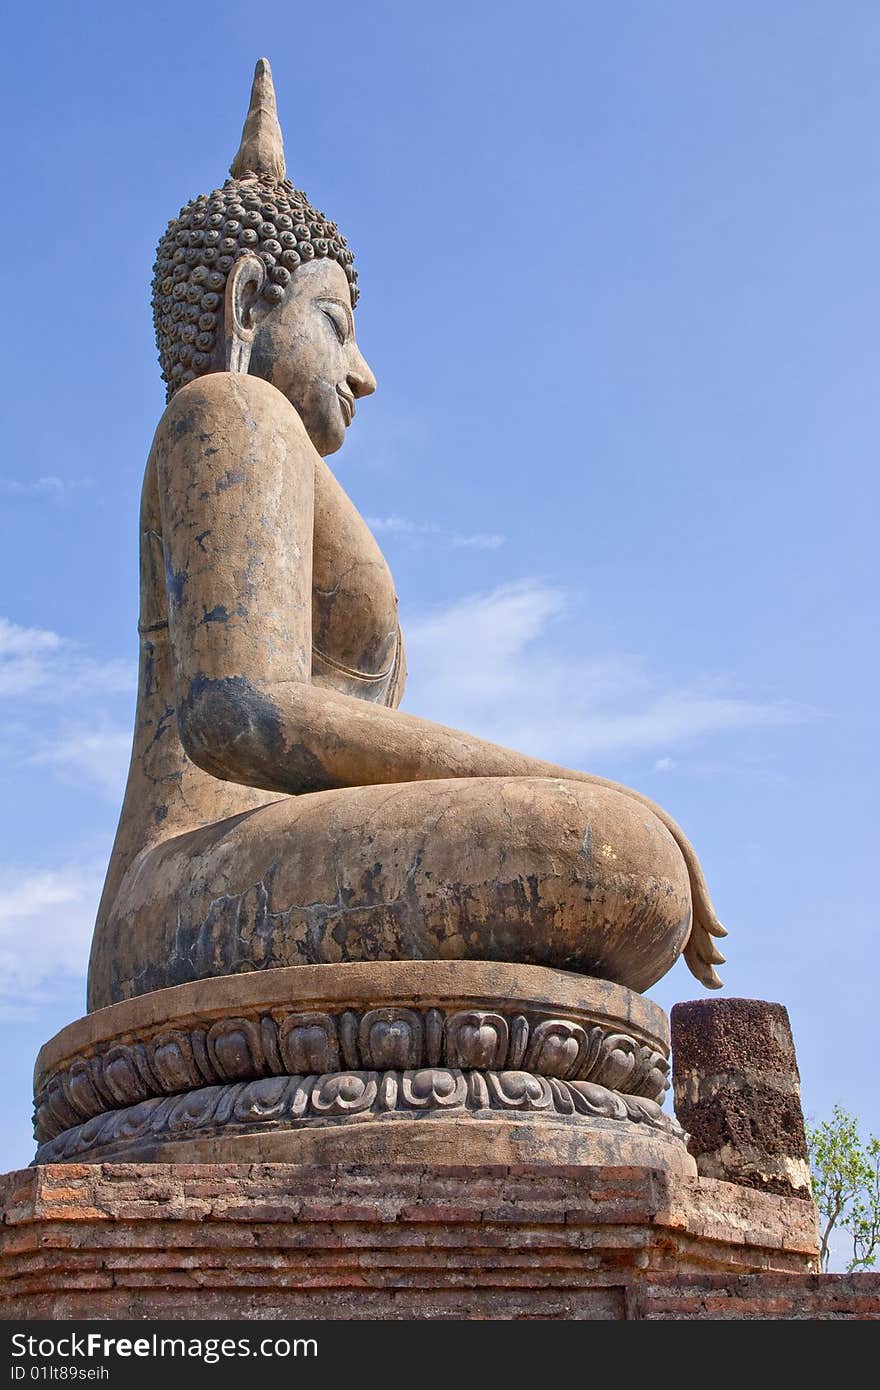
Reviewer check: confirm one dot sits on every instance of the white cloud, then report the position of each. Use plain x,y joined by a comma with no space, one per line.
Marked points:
415,531
482,540
48,489
487,663
61,711
62,708
665,764
39,664
401,526
46,921
99,757
471,653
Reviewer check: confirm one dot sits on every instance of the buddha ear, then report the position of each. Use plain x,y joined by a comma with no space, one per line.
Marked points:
242,310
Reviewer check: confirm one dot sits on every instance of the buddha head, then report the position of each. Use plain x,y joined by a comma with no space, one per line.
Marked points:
251,278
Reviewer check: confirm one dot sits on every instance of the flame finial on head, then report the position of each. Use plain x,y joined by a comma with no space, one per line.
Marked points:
262,147
257,212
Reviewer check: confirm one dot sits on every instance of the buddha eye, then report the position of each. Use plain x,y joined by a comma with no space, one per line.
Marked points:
338,326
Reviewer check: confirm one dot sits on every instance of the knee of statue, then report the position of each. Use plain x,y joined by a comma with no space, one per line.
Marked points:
281,809
538,870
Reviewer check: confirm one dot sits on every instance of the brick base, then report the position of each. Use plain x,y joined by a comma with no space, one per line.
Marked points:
802,1297
363,1241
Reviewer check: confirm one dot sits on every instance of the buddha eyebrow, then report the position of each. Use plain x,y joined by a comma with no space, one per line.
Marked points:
340,304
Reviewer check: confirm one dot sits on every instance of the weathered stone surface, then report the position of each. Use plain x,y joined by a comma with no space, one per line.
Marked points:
246,1123
334,934
356,1016
542,871
379,1240
737,1093
788,1297
280,809
464,1062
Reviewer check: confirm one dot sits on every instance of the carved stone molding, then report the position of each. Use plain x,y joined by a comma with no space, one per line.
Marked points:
394,1038
289,1101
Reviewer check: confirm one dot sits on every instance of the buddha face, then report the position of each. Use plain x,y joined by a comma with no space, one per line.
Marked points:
305,346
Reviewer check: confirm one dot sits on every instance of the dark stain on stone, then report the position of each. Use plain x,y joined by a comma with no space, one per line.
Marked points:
176,583
535,904
183,424
230,479
371,883
161,727
230,716
310,773
149,664
218,614
216,713
200,538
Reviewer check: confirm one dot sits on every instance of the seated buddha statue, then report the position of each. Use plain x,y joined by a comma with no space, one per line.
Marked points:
280,808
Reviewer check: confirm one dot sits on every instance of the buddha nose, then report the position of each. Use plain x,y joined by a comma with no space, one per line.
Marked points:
359,378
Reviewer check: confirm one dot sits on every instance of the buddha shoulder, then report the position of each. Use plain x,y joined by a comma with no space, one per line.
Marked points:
228,416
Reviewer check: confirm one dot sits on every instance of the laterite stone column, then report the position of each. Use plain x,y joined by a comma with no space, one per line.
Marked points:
737,1093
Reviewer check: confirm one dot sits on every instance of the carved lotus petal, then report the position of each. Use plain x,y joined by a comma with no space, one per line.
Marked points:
388,1090
651,1077
301,1095
345,1092
192,1110
234,1049
432,1087
90,1132
477,1090
81,1089
476,1039
557,1048
60,1148
562,1101
391,1038
308,1043
64,1147
265,1099
121,1077
61,1104
269,1040
620,1056
52,1115
591,1099
391,1045
595,1040
519,1090
171,1060
131,1124
433,1037
640,1109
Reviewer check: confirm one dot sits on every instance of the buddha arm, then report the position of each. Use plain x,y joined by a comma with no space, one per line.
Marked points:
235,473
235,476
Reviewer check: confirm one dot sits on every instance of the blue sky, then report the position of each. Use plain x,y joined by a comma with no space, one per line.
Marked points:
620,291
